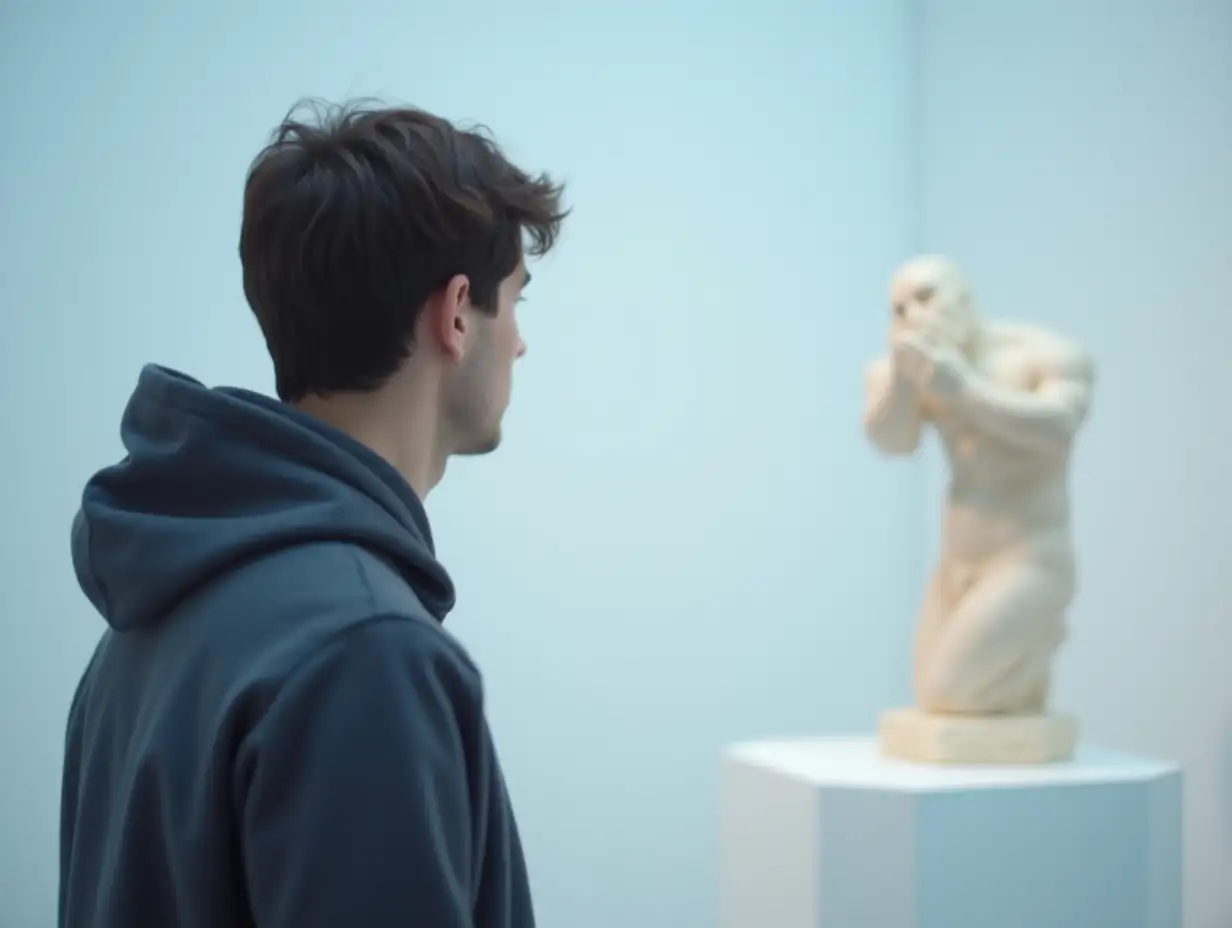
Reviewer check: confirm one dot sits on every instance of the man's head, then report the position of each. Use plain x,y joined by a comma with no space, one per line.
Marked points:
383,253
928,293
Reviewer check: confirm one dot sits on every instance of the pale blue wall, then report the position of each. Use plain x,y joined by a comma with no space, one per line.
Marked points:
685,541
1077,156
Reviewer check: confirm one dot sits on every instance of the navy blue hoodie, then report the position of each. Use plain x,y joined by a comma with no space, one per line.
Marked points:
275,730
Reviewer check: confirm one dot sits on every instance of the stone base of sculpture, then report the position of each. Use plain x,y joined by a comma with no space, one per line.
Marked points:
913,735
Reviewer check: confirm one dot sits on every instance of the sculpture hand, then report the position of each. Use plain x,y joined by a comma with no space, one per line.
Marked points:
931,366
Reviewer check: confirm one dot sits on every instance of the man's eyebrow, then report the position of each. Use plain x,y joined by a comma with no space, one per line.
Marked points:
526,279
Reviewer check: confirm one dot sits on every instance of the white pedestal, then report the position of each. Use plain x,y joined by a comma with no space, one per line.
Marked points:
829,833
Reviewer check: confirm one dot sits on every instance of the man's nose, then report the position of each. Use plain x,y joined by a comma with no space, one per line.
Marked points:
521,348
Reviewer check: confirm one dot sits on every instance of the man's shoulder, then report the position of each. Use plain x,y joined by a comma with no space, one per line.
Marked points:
286,606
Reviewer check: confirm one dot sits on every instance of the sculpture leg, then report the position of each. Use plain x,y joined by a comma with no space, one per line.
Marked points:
946,587
929,625
1040,690
995,650
1027,685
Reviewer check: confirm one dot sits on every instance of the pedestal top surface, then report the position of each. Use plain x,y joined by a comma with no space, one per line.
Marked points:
858,763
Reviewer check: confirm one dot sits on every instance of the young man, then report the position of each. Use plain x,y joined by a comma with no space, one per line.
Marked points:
275,730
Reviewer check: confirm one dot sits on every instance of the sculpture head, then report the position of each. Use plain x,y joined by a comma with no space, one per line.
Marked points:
928,293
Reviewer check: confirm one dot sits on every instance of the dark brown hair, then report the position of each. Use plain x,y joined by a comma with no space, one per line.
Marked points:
353,219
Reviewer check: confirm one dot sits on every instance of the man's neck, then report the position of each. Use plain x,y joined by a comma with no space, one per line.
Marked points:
405,437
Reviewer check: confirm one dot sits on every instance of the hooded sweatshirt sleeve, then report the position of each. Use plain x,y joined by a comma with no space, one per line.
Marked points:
355,786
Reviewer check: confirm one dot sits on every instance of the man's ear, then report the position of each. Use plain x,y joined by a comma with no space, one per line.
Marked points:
446,317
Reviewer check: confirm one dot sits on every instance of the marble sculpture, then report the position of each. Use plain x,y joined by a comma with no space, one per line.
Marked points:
1006,401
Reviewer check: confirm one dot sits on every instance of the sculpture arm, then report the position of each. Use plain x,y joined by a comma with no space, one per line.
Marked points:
893,419
1045,419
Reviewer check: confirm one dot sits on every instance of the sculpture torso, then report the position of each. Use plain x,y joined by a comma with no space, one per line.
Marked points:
1002,497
